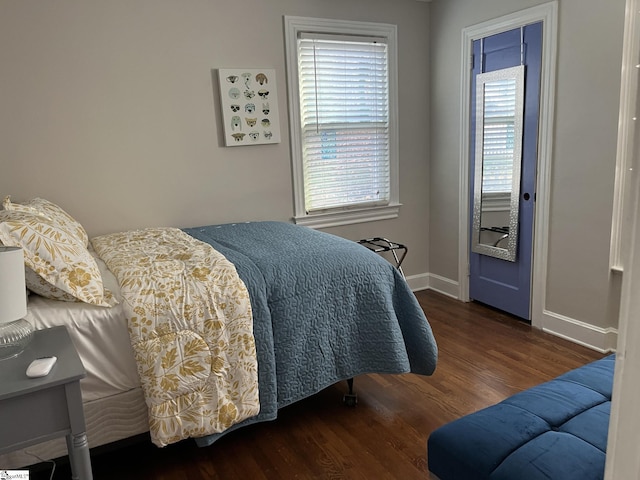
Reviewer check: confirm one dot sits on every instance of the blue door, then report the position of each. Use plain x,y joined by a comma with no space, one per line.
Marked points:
500,283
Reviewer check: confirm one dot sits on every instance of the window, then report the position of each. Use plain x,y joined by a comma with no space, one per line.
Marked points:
342,94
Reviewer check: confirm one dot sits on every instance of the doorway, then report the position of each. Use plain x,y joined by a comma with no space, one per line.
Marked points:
504,283
547,14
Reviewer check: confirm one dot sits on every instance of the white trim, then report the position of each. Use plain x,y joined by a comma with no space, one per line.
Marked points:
626,128
548,14
431,281
418,282
597,338
334,219
292,26
623,460
603,340
444,285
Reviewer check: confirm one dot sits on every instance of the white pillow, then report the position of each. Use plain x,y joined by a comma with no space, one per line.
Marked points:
58,263
52,212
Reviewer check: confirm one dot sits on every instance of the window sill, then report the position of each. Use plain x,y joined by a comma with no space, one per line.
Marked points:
334,219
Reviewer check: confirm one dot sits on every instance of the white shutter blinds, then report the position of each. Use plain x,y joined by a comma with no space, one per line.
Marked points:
344,111
499,135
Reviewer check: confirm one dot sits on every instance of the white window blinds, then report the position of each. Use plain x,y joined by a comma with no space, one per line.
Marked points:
344,114
499,135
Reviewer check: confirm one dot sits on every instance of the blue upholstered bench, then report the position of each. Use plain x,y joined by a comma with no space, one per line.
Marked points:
556,430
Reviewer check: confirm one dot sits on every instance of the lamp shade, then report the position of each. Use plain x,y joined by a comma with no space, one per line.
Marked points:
13,291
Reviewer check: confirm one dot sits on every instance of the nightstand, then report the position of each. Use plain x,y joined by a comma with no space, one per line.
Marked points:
33,410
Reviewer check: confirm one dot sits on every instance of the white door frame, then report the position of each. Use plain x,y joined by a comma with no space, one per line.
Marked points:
548,14
624,427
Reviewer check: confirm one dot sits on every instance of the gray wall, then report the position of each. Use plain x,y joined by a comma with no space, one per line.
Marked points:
111,110
579,284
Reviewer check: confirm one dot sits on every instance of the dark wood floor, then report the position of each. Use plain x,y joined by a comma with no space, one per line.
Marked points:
484,356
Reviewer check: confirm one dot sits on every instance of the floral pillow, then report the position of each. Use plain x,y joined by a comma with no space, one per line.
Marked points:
52,212
58,264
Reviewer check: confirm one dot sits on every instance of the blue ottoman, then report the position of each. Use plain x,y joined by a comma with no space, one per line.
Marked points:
555,430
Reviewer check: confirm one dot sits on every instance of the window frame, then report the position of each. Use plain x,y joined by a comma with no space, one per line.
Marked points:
344,215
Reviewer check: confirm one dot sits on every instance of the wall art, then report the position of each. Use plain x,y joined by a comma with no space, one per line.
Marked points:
249,101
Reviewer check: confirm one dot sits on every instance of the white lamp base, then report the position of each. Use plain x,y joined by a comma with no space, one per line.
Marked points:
14,337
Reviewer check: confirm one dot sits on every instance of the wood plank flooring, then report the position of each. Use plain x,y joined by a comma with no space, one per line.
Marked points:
484,356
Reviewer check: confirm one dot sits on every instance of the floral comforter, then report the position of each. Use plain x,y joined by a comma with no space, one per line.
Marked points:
191,328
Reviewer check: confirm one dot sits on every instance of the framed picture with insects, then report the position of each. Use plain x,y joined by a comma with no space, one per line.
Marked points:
249,102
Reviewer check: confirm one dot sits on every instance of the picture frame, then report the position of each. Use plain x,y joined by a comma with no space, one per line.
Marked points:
249,102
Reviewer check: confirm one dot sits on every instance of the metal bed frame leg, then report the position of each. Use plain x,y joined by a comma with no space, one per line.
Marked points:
350,399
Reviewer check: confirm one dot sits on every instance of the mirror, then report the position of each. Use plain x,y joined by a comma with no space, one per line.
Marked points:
498,153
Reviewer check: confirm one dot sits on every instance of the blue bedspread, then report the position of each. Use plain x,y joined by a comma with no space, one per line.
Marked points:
325,309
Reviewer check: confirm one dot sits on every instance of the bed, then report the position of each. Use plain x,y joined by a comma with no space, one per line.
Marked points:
322,309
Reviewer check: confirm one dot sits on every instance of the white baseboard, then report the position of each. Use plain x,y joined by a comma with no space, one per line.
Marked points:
418,282
603,340
434,282
444,285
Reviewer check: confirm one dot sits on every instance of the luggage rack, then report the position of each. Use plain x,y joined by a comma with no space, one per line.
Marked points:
381,245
